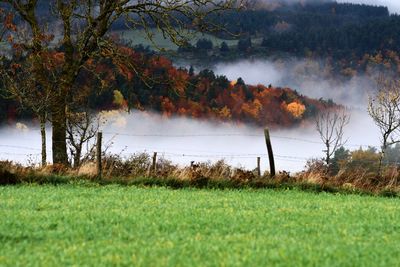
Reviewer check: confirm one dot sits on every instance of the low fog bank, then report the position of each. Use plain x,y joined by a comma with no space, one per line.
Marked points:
184,140
308,78
305,76
22,143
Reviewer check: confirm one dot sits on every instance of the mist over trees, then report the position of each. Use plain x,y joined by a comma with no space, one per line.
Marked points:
83,37
177,91
82,66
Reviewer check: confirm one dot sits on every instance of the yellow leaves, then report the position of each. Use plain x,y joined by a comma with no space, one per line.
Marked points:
119,99
296,109
257,104
253,109
225,113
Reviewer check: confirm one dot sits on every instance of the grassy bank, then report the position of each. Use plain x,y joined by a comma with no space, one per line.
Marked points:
102,225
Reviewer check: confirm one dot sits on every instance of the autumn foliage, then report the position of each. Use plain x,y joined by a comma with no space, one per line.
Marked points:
151,82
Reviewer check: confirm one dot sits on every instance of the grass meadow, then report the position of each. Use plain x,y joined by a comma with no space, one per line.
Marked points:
88,225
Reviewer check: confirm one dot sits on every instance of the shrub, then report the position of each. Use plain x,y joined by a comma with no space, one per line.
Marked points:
6,176
367,160
134,166
165,168
315,172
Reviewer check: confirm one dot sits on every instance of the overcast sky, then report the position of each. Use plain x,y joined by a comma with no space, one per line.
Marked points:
393,5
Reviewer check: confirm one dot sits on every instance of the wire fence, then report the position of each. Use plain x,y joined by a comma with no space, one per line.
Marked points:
173,153
224,135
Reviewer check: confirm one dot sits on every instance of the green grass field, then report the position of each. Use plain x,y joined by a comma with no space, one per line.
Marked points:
88,225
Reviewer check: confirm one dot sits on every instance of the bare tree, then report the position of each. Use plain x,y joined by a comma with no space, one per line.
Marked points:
82,127
330,125
83,36
384,109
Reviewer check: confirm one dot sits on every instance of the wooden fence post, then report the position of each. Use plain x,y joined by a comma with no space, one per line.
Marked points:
270,153
98,154
154,167
258,167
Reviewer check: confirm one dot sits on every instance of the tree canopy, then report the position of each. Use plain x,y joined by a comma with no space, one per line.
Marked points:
61,44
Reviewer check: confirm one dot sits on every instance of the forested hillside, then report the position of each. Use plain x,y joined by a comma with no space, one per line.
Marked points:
151,82
326,29
300,27
349,39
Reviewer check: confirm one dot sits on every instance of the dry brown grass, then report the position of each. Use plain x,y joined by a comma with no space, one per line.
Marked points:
140,165
54,169
351,177
88,169
204,170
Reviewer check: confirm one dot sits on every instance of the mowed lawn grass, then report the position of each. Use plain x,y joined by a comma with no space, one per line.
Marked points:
87,225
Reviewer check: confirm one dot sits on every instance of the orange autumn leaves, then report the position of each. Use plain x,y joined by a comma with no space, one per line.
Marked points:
152,82
173,91
296,109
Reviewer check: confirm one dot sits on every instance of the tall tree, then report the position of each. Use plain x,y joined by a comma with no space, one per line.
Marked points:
83,37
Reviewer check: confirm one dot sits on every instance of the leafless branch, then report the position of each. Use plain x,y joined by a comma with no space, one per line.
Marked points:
330,127
384,109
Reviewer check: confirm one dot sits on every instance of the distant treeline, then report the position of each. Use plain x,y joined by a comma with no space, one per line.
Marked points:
333,29
325,28
311,16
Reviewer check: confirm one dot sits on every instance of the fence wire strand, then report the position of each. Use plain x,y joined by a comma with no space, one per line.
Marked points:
193,153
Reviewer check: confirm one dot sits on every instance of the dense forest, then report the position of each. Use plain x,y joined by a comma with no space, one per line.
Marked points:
351,39
151,82
325,29
321,28
300,27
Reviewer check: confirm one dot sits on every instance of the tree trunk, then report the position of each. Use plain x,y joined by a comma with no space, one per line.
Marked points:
381,156
380,165
43,135
59,127
328,153
77,157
